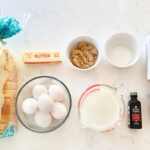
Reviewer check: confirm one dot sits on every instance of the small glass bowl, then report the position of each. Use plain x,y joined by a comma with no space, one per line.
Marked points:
26,92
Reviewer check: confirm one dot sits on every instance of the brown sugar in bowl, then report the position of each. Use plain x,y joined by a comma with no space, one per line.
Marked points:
83,53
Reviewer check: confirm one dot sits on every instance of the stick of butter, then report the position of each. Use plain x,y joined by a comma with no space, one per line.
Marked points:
42,57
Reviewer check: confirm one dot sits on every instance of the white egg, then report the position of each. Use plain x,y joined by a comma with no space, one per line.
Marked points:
57,92
29,106
59,111
38,90
45,103
43,119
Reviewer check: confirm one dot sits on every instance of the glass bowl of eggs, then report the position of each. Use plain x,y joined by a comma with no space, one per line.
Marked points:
43,104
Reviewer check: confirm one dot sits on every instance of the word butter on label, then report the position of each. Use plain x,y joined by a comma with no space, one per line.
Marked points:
42,57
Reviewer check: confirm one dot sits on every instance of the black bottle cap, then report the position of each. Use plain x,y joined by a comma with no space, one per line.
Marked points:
133,94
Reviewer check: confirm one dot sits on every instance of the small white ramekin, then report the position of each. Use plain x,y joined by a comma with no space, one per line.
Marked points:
125,40
73,44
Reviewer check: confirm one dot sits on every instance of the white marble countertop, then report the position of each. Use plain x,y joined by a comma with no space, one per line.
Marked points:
52,26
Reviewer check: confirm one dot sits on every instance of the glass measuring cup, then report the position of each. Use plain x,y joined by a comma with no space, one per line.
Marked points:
89,110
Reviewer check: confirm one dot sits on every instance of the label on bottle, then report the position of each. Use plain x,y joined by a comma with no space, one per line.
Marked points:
136,115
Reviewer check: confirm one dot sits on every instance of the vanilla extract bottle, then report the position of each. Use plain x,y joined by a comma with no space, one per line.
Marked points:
135,112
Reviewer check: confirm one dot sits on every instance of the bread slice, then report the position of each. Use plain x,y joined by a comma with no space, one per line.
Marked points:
8,88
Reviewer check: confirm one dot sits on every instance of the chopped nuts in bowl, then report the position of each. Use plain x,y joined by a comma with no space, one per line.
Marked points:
83,53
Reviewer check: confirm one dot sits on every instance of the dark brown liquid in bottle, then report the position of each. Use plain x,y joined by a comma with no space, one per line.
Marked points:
135,115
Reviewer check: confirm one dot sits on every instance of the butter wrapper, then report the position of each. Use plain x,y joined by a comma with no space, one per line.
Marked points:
42,57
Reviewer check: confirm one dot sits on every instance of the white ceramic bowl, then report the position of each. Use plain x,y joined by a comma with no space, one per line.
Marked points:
121,50
73,44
